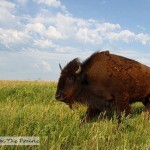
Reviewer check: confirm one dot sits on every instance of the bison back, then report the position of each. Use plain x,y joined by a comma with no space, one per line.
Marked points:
110,74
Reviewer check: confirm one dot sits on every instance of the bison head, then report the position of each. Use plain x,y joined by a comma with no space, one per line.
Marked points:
70,82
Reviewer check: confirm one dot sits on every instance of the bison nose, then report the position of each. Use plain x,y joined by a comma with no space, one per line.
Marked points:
58,96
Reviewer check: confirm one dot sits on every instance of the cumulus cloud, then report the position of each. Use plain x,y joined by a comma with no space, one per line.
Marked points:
65,26
44,43
52,3
46,66
67,49
6,5
43,66
62,26
39,28
8,19
128,37
10,36
53,33
124,35
88,36
35,27
95,32
50,33
143,38
105,26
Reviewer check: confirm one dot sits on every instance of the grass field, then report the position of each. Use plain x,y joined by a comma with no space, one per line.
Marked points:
30,109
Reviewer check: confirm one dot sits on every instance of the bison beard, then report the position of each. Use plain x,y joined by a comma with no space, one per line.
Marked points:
104,81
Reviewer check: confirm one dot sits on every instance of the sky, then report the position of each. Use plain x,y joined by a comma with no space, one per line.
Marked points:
37,35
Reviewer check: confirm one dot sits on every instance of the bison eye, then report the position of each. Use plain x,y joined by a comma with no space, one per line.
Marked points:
72,78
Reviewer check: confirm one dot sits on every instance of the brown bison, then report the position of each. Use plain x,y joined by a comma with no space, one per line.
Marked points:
104,81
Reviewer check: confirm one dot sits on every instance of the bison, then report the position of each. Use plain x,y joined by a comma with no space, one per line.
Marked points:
104,81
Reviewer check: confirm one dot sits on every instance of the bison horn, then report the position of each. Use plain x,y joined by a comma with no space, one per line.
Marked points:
60,67
79,69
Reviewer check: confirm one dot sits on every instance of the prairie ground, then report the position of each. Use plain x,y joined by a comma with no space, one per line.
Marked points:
30,109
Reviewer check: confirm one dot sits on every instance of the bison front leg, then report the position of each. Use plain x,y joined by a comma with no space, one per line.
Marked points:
91,113
147,103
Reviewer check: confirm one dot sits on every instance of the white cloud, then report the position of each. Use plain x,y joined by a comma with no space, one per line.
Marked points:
8,19
52,3
48,44
143,38
66,49
128,36
7,5
43,66
10,36
88,36
40,28
124,35
77,28
53,33
44,43
105,26
35,27
46,66
47,28
65,26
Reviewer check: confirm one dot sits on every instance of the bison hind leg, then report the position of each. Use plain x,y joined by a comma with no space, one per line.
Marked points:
122,106
127,110
146,103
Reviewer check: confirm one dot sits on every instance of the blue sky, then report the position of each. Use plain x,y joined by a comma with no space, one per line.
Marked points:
37,35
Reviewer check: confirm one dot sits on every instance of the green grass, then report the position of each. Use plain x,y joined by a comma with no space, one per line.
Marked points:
30,109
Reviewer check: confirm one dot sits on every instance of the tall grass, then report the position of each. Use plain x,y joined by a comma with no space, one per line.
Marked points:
30,109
